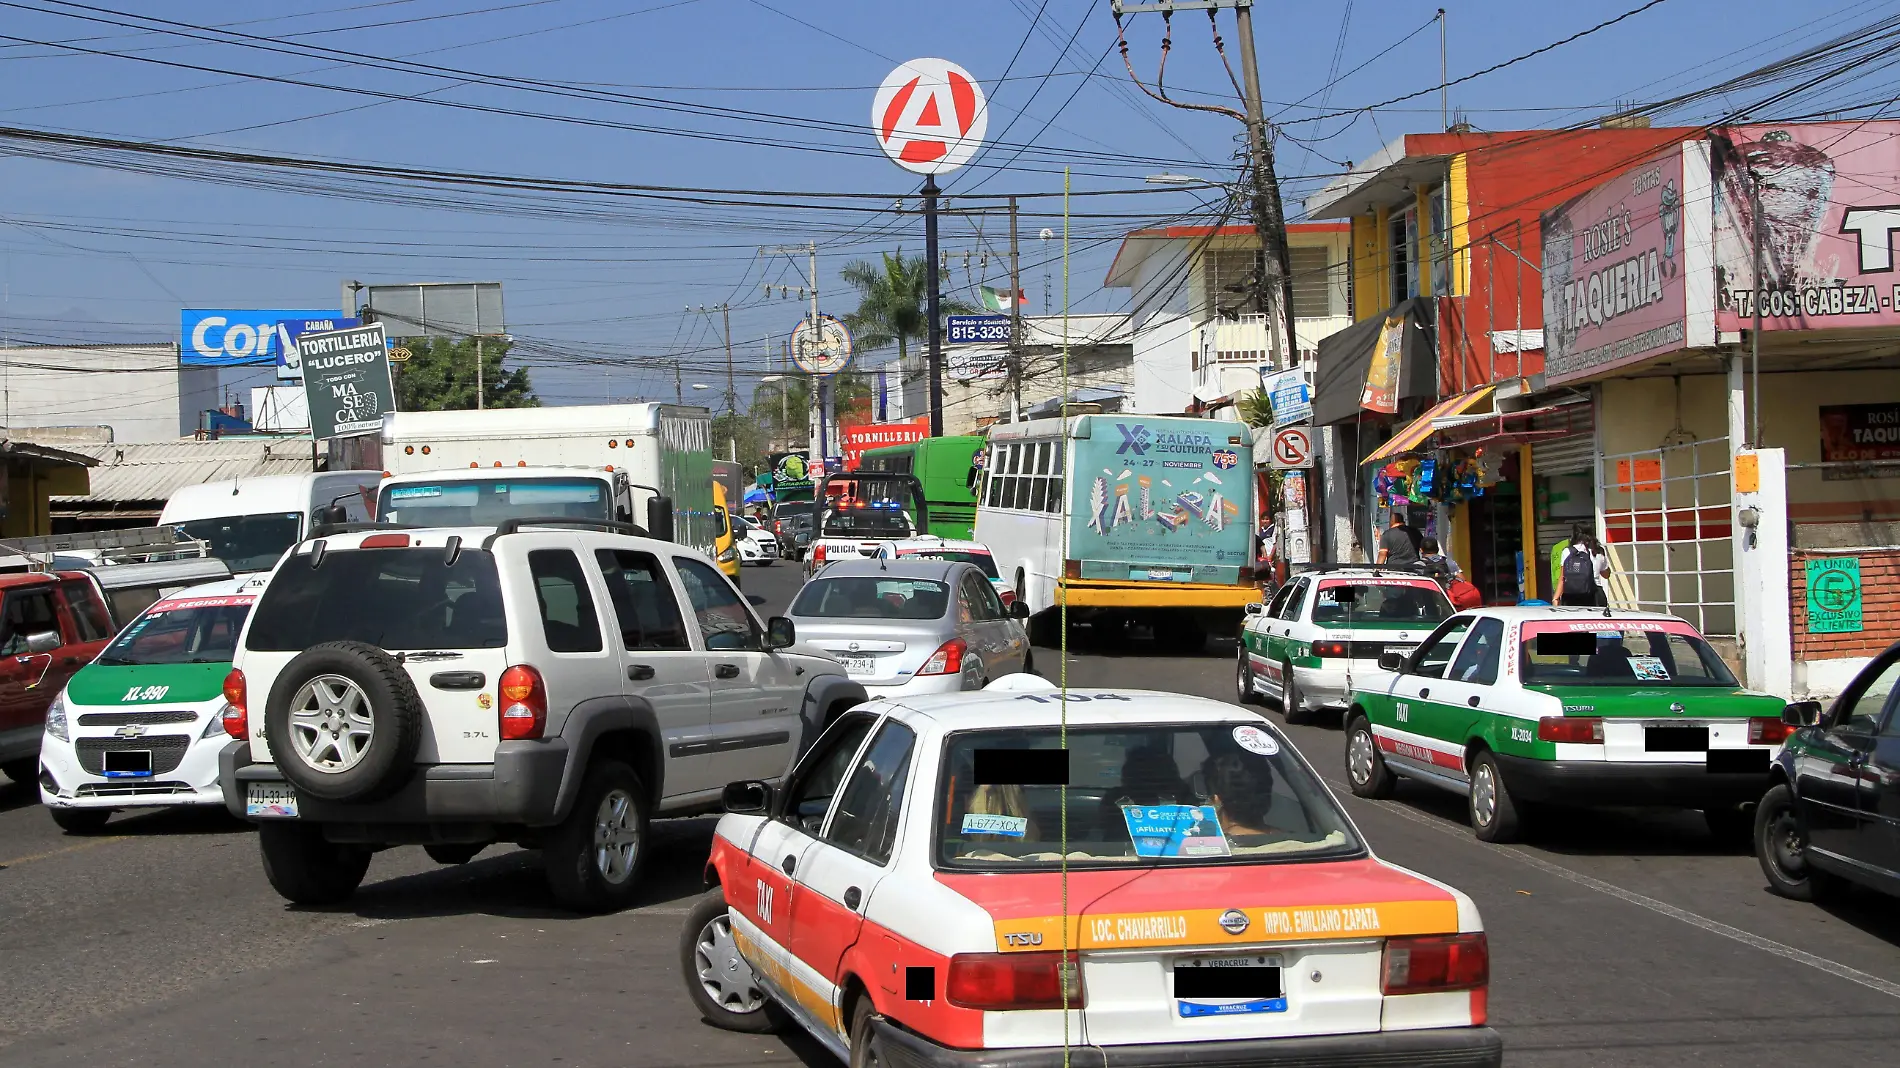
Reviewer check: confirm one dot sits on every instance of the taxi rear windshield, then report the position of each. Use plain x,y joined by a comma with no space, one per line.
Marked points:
1343,603
1137,796
1622,658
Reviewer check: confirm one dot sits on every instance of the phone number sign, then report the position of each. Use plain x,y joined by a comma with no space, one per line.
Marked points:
346,380
977,330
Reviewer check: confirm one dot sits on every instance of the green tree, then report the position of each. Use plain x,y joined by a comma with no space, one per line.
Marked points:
892,306
1255,408
439,376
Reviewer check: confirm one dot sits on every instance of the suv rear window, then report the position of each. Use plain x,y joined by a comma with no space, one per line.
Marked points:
392,598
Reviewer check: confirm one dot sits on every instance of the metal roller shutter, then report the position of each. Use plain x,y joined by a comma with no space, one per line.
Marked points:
1569,455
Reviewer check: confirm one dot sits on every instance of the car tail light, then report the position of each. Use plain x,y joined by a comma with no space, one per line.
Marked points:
236,718
1579,730
524,703
1007,596
1332,650
1767,730
1071,569
947,660
1436,963
818,553
998,982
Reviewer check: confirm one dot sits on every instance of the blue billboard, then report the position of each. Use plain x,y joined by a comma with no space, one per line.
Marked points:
234,338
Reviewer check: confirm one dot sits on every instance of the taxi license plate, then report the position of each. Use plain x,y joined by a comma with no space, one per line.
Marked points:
1227,986
272,800
1676,739
859,665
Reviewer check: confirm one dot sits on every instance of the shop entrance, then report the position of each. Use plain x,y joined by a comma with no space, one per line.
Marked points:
1496,522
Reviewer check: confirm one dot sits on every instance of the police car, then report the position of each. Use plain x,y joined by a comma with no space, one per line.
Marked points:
913,894
1322,629
1522,706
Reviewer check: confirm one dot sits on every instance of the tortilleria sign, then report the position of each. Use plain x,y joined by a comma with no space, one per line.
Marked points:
346,380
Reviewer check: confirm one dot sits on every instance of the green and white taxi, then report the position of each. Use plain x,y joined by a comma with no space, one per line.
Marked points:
1523,706
1324,629
141,726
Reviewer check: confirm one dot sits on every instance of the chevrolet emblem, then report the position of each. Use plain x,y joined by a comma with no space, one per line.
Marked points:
130,731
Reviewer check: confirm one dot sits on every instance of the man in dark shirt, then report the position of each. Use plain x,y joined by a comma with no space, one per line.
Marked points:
1397,546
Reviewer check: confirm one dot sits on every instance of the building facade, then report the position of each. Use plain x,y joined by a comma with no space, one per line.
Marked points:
140,391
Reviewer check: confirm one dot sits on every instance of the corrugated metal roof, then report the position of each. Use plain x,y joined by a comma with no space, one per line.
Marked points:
152,471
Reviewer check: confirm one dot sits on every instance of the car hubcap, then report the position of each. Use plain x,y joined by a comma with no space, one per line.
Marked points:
723,973
616,836
1359,757
1788,846
331,724
1484,795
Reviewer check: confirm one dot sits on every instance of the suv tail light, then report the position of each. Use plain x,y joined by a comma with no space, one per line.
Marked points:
947,660
1003,981
524,703
1436,963
1579,730
236,718
1332,650
1766,730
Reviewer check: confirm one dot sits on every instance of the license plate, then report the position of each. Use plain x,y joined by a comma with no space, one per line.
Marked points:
270,799
1228,986
128,763
859,665
1676,739
1161,574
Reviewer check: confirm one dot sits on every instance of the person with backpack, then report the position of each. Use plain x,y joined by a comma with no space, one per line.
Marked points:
1443,569
1581,573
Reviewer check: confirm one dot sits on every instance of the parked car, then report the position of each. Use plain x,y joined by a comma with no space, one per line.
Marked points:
553,683
1524,706
792,524
142,725
1304,646
1831,814
51,625
903,898
911,626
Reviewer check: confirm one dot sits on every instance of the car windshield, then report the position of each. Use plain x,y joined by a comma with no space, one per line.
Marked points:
871,597
792,510
245,542
393,598
1340,601
984,561
1620,654
1214,793
471,503
201,630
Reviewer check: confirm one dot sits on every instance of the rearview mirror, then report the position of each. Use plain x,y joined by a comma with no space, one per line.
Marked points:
780,633
660,518
1801,713
1018,610
1391,662
749,798
1255,608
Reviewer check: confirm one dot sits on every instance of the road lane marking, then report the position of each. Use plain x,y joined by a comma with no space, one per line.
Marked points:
90,843
1663,908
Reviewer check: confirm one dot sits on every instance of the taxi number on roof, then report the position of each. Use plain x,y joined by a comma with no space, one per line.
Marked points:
1041,700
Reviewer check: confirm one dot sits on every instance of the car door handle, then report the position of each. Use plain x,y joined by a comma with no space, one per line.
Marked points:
726,671
640,672
1472,701
1424,691
791,864
852,895
458,680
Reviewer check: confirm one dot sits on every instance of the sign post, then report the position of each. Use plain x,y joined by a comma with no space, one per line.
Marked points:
346,380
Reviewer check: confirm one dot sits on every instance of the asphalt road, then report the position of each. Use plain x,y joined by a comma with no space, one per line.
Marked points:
1622,938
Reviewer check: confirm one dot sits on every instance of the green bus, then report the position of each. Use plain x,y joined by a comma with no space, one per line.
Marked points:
948,469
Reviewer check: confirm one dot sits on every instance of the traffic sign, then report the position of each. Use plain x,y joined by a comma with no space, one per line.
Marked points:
1292,448
929,116
824,351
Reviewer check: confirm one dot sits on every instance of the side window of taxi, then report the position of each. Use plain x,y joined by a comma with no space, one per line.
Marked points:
1435,652
815,781
1279,601
1291,609
1862,713
872,799
1478,658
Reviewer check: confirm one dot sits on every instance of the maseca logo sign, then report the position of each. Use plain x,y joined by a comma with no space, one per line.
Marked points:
930,116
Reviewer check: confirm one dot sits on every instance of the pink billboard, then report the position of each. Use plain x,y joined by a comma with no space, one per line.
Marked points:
1626,268
1828,212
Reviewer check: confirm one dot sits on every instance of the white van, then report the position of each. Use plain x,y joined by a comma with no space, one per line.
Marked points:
249,522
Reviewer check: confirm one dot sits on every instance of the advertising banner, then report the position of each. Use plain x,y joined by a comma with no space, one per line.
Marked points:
791,475
1827,220
1860,433
289,364
1626,268
346,380
857,440
1162,499
1290,392
1382,374
977,330
235,338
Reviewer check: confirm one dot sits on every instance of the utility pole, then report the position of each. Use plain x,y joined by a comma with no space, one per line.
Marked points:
819,410
732,392
934,350
478,372
1016,321
1444,86
679,391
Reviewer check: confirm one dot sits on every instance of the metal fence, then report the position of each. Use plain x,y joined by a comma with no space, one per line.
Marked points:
1665,516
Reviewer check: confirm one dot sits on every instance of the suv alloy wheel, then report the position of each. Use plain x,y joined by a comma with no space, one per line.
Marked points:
595,856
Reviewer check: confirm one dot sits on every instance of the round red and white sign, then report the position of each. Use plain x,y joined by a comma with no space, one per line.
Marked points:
930,116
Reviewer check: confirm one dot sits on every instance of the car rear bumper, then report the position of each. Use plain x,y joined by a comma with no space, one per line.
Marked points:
1590,782
522,786
1449,1047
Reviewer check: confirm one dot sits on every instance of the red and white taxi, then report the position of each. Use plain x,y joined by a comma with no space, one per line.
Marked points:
931,547
916,894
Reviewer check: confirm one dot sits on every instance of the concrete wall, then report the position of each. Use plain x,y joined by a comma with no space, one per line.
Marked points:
140,391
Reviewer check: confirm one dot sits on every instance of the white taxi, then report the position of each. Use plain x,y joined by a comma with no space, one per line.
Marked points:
915,894
931,547
1325,628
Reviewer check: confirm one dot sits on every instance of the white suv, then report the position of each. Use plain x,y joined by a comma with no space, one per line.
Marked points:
553,684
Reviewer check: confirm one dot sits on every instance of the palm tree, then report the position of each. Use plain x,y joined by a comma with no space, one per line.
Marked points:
891,302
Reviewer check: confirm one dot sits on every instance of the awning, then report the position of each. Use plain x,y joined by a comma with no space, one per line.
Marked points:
1415,432
1339,371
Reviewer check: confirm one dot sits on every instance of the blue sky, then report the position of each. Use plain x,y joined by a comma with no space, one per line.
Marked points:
97,254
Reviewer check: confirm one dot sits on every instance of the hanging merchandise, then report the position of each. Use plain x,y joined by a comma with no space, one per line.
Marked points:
1429,479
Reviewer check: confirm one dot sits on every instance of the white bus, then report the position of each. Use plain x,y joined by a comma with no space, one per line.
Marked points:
1159,522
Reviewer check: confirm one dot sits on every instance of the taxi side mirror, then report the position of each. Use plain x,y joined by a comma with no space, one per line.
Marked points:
749,798
1256,608
1801,713
1391,662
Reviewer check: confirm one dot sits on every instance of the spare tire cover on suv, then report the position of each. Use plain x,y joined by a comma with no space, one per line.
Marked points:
344,722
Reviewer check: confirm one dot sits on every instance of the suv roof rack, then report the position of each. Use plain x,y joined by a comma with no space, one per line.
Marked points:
324,530
514,526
